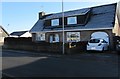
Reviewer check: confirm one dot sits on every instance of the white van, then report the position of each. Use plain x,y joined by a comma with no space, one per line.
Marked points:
97,44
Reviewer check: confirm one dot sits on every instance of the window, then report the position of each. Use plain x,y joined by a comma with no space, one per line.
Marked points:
40,37
73,36
71,20
55,22
94,41
103,41
54,38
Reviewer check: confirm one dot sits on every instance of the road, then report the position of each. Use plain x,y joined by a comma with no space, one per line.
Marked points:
28,64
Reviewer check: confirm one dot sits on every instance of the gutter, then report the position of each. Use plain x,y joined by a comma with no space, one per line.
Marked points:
110,28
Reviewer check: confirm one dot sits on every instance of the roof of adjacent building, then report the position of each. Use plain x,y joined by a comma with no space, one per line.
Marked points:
18,33
103,17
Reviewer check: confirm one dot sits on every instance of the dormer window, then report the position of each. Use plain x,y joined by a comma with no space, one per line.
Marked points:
55,22
72,20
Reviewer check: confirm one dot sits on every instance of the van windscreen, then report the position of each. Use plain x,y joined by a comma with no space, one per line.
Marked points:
94,41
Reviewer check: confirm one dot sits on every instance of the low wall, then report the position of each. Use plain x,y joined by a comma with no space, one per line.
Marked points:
27,44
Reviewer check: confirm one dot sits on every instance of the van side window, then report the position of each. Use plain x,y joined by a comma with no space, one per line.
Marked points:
94,41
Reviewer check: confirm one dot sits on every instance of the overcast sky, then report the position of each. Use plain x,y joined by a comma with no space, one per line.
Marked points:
22,15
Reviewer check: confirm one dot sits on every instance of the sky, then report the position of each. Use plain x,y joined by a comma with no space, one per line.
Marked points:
22,15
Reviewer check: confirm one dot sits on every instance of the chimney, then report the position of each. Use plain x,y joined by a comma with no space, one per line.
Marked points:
41,15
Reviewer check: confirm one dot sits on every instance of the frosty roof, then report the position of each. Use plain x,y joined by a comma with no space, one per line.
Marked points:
69,13
102,17
38,26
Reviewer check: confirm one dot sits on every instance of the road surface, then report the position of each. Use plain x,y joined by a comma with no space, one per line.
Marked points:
28,64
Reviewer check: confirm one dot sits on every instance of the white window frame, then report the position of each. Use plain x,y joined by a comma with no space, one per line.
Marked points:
40,36
55,22
72,20
73,39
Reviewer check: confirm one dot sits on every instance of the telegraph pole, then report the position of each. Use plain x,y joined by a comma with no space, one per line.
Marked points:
63,51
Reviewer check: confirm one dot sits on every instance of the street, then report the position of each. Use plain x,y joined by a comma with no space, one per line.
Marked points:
28,64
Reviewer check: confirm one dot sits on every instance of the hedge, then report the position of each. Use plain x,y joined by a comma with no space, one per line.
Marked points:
27,44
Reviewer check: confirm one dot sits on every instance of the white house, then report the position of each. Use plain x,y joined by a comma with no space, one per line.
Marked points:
79,24
116,29
3,34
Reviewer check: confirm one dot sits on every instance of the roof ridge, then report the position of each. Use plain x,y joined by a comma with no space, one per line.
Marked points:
83,8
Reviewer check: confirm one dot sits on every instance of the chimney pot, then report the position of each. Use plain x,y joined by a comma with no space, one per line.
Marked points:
41,15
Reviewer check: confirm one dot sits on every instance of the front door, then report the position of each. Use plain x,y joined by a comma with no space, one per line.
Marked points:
54,38
51,38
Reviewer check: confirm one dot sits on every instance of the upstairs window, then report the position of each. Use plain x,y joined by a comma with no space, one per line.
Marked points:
55,22
72,20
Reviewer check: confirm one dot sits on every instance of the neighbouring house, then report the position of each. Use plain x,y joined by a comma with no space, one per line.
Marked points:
79,24
3,34
20,34
116,29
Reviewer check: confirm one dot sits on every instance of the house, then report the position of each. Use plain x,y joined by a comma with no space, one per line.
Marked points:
3,34
20,34
79,24
116,29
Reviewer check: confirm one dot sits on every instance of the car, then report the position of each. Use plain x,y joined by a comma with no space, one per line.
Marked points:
118,46
97,44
